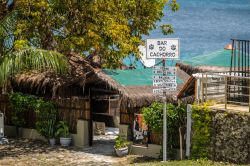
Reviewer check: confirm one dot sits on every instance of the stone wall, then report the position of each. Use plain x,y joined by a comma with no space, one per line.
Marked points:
230,136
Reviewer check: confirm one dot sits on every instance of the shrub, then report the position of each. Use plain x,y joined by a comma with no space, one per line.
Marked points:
153,116
19,104
46,114
201,130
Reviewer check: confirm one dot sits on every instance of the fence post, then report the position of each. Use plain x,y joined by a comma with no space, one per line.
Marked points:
198,90
202,89
206,86
188,132
225,78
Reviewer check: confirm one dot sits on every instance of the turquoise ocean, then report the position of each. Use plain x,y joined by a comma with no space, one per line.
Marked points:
205,26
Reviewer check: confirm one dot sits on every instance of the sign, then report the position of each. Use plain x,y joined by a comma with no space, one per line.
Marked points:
156,81
158,77
166,85
165,76
161,90
168,72
163,49
161,68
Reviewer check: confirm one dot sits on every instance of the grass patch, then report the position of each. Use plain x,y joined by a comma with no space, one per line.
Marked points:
199,162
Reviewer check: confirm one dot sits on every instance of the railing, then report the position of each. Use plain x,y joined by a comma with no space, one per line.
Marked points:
224,87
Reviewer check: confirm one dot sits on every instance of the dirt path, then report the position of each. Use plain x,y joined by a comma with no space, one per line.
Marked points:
24,152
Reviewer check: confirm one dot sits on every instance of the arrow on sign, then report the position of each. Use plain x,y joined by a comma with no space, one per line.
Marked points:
168,72
164,77
164,81
161,68
161,90
166,85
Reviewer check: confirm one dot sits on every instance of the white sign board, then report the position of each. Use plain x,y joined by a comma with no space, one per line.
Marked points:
166,85
168,72
163,82
161,90
167,68
163,48
158,77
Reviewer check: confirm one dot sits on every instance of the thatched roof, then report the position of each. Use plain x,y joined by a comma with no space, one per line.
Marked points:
137,96
216,61
42,82
82,73
189,69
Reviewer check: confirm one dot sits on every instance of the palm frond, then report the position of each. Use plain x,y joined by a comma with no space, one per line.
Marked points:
7,28
32,59
8,24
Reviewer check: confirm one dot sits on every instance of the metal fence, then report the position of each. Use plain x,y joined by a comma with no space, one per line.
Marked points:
231,87
225,88
240,60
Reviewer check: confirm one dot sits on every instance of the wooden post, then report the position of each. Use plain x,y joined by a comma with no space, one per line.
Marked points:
180,136
188,130
202,89
109,105
206,86
225,78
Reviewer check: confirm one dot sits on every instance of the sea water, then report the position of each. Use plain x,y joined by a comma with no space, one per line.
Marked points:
205,26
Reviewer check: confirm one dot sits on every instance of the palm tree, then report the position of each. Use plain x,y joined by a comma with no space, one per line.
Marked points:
15,61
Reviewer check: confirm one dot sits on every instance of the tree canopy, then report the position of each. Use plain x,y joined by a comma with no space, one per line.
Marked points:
111,29
14,60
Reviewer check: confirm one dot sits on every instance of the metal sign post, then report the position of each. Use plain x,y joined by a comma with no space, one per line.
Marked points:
164,117
165,77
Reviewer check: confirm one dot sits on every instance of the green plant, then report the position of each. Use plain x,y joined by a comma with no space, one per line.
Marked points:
153,116
120,143
19,104
51,129
46,114
62,129
201,116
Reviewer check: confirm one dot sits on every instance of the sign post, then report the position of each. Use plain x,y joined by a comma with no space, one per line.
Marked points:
165,77
164,118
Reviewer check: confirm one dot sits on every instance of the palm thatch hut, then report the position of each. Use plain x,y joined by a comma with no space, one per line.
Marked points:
135,89
114,95
134,86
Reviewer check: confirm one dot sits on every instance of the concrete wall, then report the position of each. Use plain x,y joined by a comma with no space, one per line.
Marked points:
10,131
81,139
152,150
124,131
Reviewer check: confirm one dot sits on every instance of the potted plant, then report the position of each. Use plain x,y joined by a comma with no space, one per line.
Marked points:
121,146
63,132
46,114
51,132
